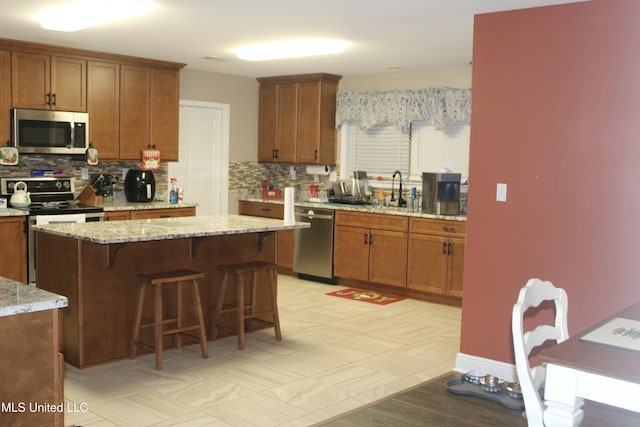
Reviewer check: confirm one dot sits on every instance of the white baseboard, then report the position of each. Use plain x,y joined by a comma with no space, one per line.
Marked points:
467,362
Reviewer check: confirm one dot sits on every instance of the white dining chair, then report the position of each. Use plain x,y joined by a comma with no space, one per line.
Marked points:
531,379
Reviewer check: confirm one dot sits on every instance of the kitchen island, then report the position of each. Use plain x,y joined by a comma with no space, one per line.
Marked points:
31,389
93,265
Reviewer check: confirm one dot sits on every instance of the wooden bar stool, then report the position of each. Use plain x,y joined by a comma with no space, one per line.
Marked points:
157,280
239,271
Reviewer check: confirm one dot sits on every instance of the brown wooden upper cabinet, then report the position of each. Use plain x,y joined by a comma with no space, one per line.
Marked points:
5,96
297,119
44,82
149,108
103,106
135,108
132,102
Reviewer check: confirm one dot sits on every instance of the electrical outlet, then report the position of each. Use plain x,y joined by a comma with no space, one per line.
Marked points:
85,173
501,192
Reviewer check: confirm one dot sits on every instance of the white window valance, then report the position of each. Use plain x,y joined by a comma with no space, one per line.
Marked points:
437,106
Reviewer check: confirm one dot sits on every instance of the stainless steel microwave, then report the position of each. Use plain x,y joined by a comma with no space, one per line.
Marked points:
49,132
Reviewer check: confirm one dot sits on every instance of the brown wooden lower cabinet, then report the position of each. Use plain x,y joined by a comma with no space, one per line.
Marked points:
163,213
285,237
149,213
435,260
14,253
421,258
376,253
116,216
31,372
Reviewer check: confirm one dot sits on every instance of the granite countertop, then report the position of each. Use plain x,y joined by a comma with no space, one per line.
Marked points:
12,212
127,206
107,232
114,207
17,298
387,210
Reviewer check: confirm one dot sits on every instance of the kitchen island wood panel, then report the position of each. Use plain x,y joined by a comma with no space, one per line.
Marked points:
31,367
98,277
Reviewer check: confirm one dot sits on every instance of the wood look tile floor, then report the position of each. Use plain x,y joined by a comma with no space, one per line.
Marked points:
336,355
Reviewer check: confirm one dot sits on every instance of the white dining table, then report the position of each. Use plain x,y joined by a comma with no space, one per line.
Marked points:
579,369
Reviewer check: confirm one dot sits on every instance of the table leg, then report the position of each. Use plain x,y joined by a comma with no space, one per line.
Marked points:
563,406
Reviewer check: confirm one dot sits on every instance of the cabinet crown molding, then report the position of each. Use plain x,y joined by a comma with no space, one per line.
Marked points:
85,54
299,78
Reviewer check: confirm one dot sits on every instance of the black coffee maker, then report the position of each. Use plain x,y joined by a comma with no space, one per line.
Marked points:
139,186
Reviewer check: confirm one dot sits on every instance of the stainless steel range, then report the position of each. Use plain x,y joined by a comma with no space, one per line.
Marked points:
52,201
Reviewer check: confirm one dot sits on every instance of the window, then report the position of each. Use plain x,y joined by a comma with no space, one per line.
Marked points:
383,149
380,150
432,150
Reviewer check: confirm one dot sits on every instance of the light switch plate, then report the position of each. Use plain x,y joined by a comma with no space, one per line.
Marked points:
501,192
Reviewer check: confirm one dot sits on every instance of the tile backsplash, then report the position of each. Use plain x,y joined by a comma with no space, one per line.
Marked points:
73,165
246,177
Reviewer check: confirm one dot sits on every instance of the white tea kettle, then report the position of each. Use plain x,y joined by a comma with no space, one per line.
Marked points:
20,198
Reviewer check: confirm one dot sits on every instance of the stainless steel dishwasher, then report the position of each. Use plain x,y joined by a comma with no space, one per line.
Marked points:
313,247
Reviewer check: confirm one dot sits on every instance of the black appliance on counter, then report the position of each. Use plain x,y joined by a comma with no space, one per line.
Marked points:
139,186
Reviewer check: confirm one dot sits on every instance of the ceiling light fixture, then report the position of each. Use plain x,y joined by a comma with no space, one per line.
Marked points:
82,14
291,49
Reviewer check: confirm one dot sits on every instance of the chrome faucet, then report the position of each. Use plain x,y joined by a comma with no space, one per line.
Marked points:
401,202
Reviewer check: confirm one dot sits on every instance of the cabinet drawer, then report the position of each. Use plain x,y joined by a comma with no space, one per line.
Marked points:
376,221
162,213
437,227
265,210
117,216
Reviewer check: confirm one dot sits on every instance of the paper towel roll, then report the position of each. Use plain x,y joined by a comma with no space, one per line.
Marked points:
289,215
318,170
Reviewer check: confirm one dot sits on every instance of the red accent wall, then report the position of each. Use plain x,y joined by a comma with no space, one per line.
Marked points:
556,116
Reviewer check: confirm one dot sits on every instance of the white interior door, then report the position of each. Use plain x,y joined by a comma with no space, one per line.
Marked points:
203,169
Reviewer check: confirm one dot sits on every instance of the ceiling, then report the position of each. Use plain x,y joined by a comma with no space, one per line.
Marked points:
385,35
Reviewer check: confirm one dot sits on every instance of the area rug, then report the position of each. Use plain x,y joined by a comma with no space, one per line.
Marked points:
366,296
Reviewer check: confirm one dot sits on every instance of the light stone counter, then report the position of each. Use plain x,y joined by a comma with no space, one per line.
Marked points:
17,298
144,206
12,212
108,232
387,210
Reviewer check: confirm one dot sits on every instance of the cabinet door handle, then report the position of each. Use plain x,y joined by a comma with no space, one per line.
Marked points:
266,210
48,101
315,154
370,239
449,248
54,99
449,229
366,238
444,248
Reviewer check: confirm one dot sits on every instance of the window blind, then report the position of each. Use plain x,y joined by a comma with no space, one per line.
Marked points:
379,150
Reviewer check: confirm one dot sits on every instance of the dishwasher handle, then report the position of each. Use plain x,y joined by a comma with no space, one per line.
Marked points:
310,214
